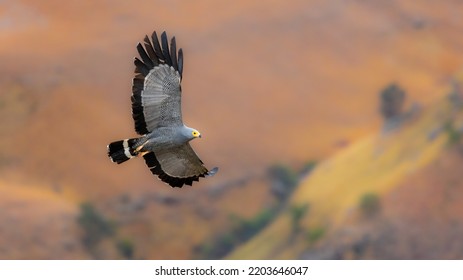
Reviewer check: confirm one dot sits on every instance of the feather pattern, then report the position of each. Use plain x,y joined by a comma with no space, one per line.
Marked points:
156,91
156,110
162,171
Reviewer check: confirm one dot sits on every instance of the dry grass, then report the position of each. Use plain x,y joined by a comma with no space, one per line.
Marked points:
375,164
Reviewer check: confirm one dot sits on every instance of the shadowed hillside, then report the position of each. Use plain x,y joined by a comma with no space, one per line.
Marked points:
38,222
352,183
421,218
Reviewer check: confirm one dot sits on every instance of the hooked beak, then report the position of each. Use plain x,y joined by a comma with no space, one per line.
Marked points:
199,135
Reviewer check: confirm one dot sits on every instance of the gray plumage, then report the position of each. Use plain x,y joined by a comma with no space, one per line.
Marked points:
161,98
156,110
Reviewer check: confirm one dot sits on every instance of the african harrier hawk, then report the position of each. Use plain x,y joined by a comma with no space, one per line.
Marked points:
156,110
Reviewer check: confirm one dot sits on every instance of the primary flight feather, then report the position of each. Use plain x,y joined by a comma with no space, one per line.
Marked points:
156,111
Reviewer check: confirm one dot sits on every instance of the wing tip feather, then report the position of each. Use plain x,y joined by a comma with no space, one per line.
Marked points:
175,182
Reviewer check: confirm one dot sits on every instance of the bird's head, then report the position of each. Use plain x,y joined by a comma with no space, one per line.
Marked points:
190,133
195,134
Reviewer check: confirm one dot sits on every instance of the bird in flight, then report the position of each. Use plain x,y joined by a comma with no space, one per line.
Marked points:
156,110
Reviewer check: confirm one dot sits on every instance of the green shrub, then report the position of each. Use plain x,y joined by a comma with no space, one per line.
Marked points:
454,136
297,212
217,247
246,228
315,234
283,174
126,248
94,225
369,204
242,230
308,167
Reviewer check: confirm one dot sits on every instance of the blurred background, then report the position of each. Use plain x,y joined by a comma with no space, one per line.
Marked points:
336,126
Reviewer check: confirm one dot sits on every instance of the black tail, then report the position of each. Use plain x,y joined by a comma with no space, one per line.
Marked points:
122,150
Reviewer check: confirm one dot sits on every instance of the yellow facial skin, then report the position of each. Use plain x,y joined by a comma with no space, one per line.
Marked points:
196,134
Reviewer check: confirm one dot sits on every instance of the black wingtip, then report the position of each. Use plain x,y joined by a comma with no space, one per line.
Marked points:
157,46
173,53
180,62
141,67
165,48
175,182
158,51
150,50
144,56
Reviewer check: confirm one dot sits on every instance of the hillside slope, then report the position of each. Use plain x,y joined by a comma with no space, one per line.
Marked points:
81,63
38,222
332,192
421,218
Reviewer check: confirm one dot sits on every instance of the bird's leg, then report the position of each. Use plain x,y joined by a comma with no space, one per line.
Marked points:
139,151
142,154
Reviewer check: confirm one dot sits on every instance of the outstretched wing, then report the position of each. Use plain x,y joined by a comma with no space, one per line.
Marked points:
177,166
156,91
